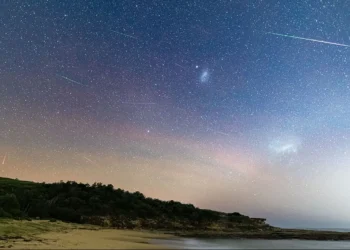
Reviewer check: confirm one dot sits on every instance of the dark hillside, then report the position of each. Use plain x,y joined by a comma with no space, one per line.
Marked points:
103,205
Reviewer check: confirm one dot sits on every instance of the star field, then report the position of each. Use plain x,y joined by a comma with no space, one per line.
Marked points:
229,105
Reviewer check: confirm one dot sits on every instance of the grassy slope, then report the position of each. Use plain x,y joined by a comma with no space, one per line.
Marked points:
10,228
14,183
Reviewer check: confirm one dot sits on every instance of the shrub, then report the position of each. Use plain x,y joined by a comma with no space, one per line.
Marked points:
4,214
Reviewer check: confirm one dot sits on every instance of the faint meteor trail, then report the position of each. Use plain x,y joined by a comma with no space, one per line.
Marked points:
87,159
221,133
140,103
179,65
124,34
218,132
4,159
68,79
92,162
308,39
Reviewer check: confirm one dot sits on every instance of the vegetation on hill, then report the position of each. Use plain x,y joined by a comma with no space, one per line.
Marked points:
103,205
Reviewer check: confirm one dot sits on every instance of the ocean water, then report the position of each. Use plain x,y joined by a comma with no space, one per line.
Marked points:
329,229
251,244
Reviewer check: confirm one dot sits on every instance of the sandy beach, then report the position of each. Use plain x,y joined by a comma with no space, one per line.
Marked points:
59,235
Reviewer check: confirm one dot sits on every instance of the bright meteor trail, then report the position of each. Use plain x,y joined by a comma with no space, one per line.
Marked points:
4,159
308,39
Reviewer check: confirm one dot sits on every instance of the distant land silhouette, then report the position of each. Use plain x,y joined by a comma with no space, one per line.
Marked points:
106,206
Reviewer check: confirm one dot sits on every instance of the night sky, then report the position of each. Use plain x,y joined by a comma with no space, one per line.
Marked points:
229,105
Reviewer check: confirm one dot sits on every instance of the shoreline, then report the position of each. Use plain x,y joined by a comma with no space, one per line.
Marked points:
280,234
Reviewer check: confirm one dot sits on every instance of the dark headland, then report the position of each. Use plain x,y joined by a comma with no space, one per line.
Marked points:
105,206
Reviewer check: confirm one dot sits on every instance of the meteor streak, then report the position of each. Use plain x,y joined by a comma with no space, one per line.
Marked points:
179,65
124,34
89,160
221,133
139,103
308,39
68,79
4,159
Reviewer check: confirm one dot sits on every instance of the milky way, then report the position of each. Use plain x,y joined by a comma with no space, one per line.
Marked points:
184,100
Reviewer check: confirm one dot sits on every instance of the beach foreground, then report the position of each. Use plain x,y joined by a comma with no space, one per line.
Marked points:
43,234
